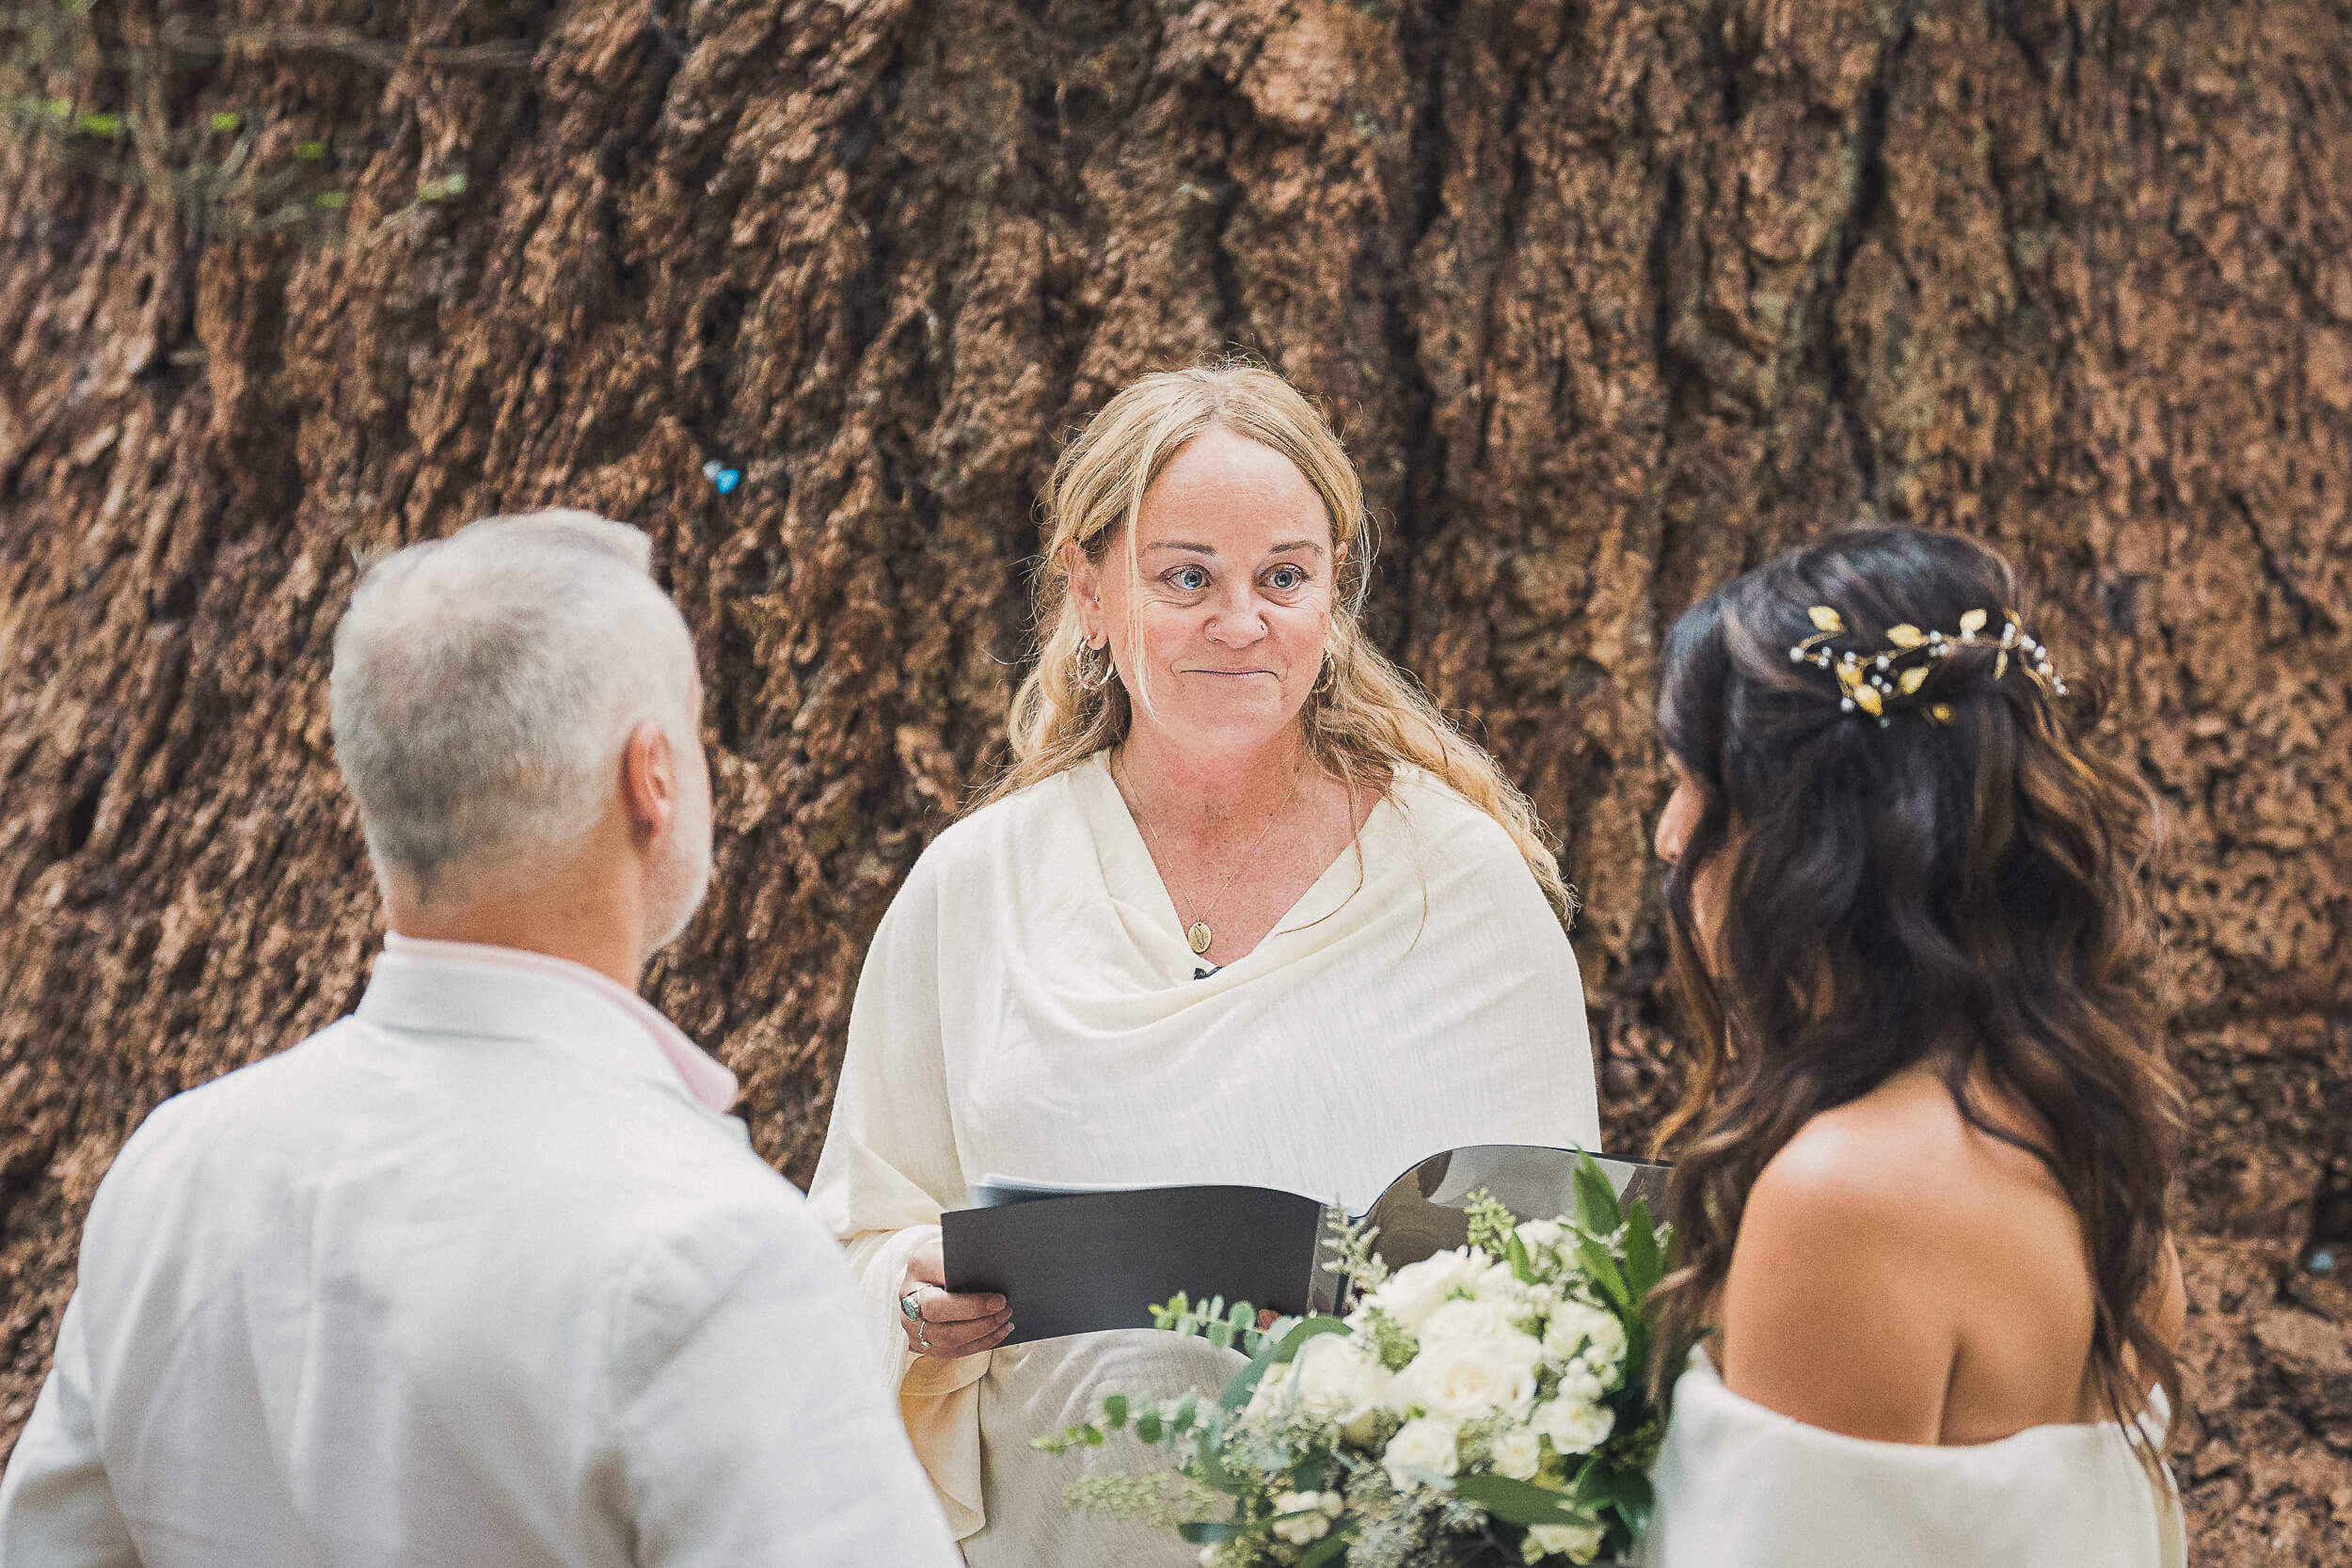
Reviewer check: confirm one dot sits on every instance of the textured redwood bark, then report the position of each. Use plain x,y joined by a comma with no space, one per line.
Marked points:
1611,298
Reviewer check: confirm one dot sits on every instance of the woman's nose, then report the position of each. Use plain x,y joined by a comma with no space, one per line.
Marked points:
1237,625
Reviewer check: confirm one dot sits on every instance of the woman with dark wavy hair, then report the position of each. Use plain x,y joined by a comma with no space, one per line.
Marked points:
1919,1196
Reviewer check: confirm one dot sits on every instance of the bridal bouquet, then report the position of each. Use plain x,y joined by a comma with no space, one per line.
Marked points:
1484,1407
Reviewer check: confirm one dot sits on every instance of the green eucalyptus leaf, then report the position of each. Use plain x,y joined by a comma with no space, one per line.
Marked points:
1595,1200
1330,1548
1520,1502
1603,1268
1644,1265
1306,1329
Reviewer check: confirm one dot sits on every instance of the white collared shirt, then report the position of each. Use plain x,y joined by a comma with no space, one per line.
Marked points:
481,1275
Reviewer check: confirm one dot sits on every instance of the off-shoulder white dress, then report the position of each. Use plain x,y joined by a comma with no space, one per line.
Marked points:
1742,1486
1029,1007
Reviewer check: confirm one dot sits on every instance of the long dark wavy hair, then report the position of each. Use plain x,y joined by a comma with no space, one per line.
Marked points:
1958,886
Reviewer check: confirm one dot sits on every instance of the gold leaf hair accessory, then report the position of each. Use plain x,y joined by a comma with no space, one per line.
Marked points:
1871,681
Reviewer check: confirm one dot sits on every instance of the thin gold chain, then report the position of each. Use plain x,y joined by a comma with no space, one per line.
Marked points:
1201,919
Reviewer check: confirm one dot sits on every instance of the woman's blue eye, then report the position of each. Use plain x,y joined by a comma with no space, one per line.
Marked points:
1283,579
1191,579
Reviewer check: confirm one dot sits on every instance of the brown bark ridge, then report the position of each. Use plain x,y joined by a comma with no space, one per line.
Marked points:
1611,298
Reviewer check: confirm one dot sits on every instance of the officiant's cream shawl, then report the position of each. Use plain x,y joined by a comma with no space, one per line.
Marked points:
1029,1009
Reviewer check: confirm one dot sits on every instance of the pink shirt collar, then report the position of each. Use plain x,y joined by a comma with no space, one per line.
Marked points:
704,1079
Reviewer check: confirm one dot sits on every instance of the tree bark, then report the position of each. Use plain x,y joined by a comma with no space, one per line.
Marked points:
1611,299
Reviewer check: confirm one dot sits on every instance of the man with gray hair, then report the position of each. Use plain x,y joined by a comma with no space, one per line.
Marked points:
484,1274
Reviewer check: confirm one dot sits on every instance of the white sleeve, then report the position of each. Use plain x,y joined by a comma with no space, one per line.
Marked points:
889,1167
57,1507
751,1432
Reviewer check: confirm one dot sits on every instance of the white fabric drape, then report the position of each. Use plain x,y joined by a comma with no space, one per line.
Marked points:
1029,1007
1743,1486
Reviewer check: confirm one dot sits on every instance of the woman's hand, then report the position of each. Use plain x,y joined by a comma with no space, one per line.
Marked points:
952,1324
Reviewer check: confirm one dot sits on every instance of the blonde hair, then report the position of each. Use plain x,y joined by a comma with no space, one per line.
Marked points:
1365,719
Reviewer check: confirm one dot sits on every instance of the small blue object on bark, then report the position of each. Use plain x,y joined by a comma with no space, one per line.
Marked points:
725,478
2322,1261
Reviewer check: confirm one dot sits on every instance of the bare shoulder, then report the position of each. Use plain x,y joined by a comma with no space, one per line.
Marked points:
1886,1253
1846,1302
1878,1158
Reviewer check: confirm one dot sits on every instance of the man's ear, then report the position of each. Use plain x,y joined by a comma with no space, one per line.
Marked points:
1086,591
649,782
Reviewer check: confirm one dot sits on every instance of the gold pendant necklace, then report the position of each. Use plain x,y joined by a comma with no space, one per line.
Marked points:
1197,935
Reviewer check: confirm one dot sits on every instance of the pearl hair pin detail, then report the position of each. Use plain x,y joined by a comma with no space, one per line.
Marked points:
1871,681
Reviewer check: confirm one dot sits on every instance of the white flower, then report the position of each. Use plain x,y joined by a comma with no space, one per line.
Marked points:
1579,1384
1518,1453
1536,1235
1574,1425
1338,1378
1579,1328
1499,1282
1424,1443
1466,1378
1270,1394
1307,1522
1576,1542
1208,1557
1462,1321
1420,1289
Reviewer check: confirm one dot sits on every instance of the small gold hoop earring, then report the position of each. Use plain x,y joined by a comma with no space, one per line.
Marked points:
1090,678
1327,677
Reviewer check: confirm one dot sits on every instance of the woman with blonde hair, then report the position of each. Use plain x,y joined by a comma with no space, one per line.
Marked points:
1245,908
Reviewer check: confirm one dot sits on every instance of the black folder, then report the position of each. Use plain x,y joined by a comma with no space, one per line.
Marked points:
1081,1260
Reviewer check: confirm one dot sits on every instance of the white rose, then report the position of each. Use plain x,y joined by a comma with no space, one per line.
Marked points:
1420,1289
1579,1328
1465,1379
1576,1542
1574,1425
1461,1321
1337,1377
1518,1453
1421,1445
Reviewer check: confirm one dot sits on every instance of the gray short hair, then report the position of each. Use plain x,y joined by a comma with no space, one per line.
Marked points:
484,685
